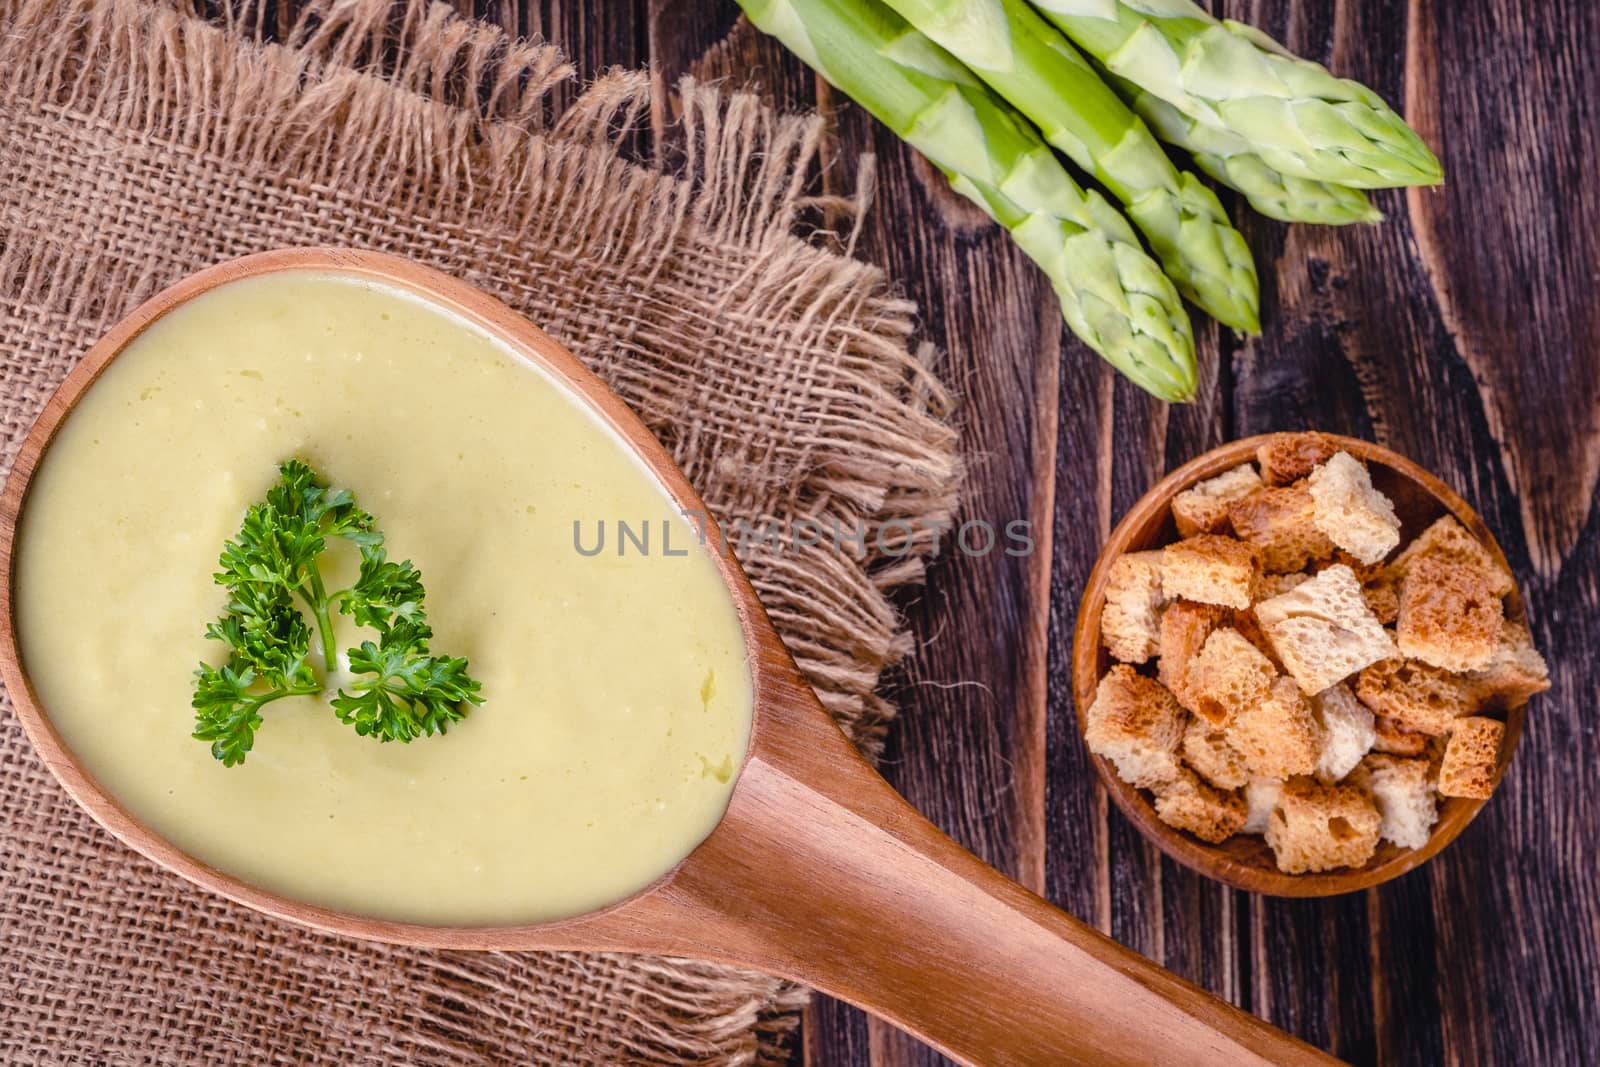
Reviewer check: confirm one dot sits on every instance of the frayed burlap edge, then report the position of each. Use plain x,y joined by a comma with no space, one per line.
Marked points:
411,111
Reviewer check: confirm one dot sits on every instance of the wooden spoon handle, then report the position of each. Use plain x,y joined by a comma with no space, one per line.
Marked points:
856,894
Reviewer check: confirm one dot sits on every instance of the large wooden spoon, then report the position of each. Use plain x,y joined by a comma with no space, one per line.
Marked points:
818,871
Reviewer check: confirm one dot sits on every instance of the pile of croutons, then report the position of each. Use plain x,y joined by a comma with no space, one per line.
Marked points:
1311,683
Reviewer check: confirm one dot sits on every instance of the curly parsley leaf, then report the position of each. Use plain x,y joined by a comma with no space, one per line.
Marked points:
226,714
272,563
410,693
384,592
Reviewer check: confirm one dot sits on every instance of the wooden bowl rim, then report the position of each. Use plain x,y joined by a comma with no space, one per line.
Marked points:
1089,659
506,325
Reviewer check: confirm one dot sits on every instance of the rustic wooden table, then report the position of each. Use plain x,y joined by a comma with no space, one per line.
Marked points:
1462,332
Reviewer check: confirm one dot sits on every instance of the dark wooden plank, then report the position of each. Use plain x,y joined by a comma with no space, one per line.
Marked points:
1405,993
1520,136
1513,286
1367,336
969,752
714,43
594,37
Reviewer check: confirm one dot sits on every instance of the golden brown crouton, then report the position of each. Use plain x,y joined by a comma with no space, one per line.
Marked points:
1130,622
1209,569
1323,630
1208,813
1402,789
1184,629
1319,827
1204,507
1382,594
1288,457
1137,725
1413,695
1271,585
1353,514
1228,675
1514,672
1448,615
1278,737
1380,585
1279,522
1395,740
1449,542
1470,758
1208,752
1249,628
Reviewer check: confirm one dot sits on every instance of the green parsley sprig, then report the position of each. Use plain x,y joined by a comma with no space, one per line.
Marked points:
270,569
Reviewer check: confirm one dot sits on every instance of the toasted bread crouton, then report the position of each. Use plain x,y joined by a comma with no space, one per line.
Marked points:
1271,585
1382,594
1228,675
1277,737
1392,739
1206,749
1208,813
1204,507
1279,522
1448,616
1514,672
1323,630
1470,758
1288,457
1184,628
1130,622
1137,725
1353,514
1319,827
1449,542
1413,695
1347,731
1380,585
1260,801
1209,569
1402,789
1249,628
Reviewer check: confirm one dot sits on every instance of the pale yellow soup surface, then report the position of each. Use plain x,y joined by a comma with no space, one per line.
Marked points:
617,693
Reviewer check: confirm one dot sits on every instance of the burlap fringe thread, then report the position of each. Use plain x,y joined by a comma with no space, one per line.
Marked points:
409,129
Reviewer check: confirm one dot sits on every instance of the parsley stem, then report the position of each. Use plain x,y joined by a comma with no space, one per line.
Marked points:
319,608
279,694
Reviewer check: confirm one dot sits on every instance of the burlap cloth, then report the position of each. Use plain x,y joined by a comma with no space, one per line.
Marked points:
138,144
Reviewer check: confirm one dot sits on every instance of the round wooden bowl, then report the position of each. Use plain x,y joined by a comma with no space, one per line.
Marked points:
1245,861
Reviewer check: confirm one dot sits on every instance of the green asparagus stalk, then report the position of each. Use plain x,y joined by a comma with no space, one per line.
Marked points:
1031,65
1300,119
1231,160
1112,294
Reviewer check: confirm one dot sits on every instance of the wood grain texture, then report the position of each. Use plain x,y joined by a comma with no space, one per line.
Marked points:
1461,333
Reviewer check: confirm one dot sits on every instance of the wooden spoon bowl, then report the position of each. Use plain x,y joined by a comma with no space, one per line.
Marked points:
818,871
1245,861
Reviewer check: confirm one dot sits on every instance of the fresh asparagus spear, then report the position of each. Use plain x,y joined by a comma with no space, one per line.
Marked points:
1231,160
1300,119
1031,65
1113,295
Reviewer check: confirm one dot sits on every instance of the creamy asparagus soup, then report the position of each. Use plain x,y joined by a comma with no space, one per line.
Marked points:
616,695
